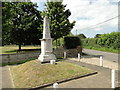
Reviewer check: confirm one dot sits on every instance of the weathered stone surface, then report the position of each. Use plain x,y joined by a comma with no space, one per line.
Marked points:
46,44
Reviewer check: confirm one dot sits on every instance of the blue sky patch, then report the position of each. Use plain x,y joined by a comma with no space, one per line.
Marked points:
83,18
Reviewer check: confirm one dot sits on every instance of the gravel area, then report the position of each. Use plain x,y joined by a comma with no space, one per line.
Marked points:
96,61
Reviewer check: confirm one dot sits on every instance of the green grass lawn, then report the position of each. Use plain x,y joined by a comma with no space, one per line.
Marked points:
33,74
13,48
103,49
8,49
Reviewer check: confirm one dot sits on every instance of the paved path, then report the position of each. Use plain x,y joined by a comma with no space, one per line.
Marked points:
106,55
100,80
0,78
6,78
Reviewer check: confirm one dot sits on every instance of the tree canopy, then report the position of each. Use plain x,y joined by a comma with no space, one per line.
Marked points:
20,23
60,25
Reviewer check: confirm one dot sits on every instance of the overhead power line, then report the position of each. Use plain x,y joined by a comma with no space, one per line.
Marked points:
101,23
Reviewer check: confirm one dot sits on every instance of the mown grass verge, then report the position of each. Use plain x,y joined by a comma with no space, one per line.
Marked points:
33,74
8,49
103,49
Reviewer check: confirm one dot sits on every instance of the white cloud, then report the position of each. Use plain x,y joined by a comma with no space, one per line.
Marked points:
114,0
98,11
97,29
93,12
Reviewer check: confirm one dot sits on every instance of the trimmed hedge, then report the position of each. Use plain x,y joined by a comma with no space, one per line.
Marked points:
71,42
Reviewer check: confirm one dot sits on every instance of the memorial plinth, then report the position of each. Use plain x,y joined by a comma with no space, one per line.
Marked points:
46,44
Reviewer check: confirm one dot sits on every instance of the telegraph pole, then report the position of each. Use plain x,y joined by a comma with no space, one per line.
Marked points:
76,32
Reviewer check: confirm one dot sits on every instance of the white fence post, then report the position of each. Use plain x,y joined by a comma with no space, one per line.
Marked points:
101,61
113,78
52,61
78,56
65,55
55,86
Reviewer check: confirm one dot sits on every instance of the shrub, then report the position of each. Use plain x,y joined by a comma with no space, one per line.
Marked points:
110,40
71,42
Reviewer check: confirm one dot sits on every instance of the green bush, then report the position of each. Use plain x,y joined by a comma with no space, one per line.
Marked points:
110,40
71,42
90,42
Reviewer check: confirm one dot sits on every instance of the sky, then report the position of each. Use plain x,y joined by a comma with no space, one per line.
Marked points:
92,16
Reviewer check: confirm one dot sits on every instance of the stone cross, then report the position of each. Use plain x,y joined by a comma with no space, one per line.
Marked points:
46,43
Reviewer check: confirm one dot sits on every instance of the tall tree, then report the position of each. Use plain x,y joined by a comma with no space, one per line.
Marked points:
7,14
59,23
25,22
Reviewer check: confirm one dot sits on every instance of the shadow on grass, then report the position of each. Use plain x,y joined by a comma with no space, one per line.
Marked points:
12,51
85,55
17,63
23,50
28,50
60,57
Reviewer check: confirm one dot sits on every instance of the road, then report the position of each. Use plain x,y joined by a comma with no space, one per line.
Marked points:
106,55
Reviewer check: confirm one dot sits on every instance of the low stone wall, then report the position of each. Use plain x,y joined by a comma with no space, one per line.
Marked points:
72,53
6,58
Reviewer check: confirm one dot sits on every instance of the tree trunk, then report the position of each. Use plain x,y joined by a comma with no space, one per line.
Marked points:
19,47
56,43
